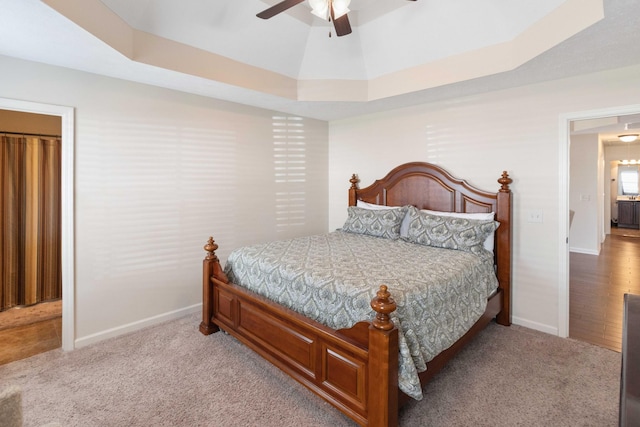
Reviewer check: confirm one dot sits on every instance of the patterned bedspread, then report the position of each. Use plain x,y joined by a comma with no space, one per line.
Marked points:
332,278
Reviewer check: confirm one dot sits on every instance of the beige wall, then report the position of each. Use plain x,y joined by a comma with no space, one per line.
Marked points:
583,194
156,173
154,169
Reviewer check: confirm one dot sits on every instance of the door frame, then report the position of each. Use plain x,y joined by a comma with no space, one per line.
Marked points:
563,214
66,115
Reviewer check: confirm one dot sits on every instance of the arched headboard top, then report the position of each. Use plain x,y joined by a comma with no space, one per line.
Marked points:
425,186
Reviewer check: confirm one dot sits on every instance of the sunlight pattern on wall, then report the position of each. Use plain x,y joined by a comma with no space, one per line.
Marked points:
290,171
146,190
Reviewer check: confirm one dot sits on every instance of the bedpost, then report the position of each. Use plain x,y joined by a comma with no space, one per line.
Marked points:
382,402
353,198
210,267
503,247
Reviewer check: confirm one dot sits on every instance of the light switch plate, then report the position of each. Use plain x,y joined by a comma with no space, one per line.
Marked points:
534,215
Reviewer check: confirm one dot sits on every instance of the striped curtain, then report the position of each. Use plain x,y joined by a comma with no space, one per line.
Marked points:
30,237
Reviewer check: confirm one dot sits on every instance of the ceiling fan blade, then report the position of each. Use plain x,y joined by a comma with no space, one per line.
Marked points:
278,8
342,25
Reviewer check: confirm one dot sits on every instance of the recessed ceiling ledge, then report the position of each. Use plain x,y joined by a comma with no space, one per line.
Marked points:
97,19
565,21
160,52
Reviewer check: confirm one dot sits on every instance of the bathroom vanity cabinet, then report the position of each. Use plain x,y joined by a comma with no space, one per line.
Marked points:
629,214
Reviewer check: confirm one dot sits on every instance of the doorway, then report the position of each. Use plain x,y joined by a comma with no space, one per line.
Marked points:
599,273
31,286
66,115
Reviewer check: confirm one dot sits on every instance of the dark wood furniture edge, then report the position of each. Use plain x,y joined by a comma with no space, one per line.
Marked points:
368,354
629,410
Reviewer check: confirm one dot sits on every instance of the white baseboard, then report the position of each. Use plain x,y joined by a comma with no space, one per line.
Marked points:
135,326
585,251
552,330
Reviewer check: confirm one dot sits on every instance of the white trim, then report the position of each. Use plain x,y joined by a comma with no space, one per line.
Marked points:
534,325
563,225
584,251
563,202
68,248
137,325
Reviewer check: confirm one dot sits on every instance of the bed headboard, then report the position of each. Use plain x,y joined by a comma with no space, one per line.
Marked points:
427,186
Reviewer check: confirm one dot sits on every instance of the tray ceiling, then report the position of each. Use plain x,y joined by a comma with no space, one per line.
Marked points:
400,53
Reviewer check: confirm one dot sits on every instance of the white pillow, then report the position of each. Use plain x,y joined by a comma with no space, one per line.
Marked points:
488,243
373,206
404,227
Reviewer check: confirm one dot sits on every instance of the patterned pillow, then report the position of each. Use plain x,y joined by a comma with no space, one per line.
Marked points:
488,243
379,223
449,232
404,227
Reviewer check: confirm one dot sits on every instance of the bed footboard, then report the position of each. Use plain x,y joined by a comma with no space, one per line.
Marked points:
355,369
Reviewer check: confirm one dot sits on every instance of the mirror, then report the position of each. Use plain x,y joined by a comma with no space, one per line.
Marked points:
628,179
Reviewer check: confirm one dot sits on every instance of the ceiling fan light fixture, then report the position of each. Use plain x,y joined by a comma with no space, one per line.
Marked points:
320,8
628,137
340,8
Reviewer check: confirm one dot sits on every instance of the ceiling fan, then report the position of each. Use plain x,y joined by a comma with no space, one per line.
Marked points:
331,10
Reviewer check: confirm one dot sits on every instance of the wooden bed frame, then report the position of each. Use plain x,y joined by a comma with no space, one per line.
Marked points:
356,369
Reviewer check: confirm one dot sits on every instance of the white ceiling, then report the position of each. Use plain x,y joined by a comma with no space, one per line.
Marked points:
609,128
388,35
390,39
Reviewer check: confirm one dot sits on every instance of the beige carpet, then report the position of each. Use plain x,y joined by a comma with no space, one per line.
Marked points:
171,375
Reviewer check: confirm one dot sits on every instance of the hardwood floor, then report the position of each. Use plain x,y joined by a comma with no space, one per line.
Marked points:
597,285
27,331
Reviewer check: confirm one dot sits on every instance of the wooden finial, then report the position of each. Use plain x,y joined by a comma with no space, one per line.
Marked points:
354,181
505,181
383,304
211,247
